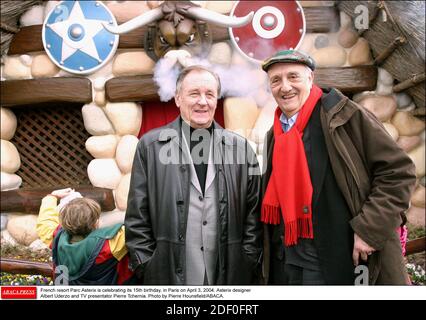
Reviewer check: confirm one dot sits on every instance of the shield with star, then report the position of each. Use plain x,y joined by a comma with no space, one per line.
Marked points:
74,36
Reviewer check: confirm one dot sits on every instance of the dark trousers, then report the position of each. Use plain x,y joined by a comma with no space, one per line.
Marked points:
288,274
301,276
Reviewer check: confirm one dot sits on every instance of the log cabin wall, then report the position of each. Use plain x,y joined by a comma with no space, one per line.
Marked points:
113,97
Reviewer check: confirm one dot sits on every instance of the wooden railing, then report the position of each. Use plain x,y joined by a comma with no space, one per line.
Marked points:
415,246
16,266
29,200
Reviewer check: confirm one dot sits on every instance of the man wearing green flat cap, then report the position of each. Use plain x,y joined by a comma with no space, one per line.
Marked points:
335,188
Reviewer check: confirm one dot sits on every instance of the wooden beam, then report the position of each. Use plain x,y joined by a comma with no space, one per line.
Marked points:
29,200
28,39
137,88
142,88
415,246
318,19
322,19
16,266
36,91
347,79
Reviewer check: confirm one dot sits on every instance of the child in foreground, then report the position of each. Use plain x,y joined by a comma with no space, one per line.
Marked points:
92,255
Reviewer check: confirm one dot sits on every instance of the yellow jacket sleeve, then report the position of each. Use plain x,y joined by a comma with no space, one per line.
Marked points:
118,245
48,219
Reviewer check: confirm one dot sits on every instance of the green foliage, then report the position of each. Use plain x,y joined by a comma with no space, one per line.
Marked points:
414,233
417,274
24,253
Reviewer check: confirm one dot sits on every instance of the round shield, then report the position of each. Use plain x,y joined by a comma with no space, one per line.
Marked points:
75,39
276,25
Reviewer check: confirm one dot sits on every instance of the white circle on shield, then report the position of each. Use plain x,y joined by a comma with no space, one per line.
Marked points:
268,22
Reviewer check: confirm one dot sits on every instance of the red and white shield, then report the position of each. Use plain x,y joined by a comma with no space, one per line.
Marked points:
276,25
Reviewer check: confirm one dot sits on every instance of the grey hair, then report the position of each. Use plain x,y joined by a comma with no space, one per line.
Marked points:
197,68
309,69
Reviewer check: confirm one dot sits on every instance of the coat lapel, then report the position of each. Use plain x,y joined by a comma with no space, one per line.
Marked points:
211,169
267,159
318,154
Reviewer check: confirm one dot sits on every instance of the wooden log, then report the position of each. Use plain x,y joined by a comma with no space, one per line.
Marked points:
347,79
398,41
28,39
16,266
318,19
136,88
29,200
49,90
415,246
135,39
322,19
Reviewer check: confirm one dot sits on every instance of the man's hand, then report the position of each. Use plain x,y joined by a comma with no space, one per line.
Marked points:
361,249
61,193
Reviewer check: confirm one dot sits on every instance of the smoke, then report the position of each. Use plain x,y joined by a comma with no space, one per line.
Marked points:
260,48
240,80
237,80
166,72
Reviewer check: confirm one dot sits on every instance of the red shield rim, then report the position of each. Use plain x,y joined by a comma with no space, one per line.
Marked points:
256,48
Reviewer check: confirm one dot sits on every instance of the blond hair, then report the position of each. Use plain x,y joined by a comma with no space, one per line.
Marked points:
80,216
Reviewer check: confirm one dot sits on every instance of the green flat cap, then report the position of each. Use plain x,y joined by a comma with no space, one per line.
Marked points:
289,56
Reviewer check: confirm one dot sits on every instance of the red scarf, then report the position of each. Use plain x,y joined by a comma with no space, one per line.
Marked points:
290,188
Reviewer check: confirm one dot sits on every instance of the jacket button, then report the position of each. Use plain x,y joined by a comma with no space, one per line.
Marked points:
200,198
204,223
202,248
181,237
305,209
182,168
179,270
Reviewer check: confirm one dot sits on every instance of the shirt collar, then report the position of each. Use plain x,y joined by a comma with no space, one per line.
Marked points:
288,121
